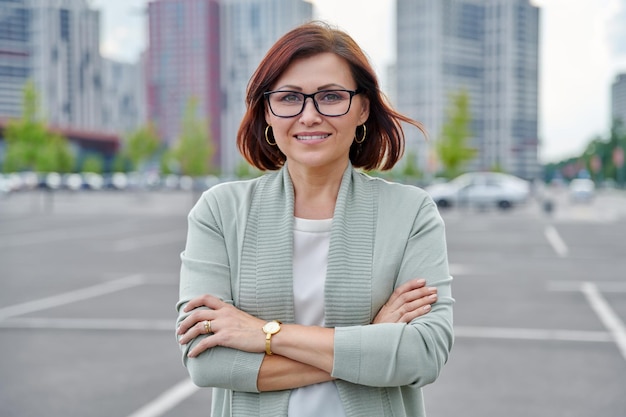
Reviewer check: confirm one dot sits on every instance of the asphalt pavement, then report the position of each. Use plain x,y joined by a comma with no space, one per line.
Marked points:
88,283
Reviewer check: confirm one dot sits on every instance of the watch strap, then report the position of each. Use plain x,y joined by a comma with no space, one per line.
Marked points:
268,343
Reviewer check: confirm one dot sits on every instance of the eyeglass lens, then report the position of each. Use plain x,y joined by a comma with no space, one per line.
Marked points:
327,102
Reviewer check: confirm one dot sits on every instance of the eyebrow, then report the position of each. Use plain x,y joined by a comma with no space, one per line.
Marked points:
324,87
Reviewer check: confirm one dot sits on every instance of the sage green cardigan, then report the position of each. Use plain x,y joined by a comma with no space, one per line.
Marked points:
239,248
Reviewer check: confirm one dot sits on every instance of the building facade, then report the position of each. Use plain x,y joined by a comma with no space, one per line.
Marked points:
124,96
15,55
183,64
67,67
618,98
486,48
55,44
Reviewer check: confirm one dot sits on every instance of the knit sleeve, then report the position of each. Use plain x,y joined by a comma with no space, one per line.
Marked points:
386,355
206,269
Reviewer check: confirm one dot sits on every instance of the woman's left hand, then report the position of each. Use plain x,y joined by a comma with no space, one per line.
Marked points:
230,327
409,301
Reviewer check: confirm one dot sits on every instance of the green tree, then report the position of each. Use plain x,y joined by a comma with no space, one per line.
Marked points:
93,163
452,148
54,155
245,170
194,149
121,163
410,170
497,168
141,145
167,162
30,146
598,158
617,139
619,131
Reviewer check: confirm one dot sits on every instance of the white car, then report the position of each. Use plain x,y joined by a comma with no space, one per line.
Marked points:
481,189
581,190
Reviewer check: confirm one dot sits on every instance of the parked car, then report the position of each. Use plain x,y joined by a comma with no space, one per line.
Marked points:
481,189
581,190
5,185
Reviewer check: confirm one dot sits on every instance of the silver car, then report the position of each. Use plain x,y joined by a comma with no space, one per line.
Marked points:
481,189
581,190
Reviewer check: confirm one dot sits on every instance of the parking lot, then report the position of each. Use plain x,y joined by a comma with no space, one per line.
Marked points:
88,283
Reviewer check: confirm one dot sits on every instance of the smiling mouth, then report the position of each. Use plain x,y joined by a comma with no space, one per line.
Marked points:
311,137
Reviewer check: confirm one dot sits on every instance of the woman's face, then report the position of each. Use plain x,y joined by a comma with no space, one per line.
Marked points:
311,140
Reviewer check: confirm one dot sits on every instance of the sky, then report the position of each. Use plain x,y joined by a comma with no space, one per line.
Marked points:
582,49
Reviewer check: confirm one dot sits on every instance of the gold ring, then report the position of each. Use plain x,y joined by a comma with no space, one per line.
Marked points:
207,326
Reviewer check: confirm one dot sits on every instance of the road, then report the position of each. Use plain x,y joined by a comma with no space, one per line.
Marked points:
88,283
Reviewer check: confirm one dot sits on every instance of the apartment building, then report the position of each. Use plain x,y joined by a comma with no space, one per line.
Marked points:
488,48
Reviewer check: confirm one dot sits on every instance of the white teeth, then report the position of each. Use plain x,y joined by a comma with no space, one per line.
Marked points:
316,137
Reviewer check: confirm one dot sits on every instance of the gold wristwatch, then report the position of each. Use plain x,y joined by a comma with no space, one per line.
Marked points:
270,328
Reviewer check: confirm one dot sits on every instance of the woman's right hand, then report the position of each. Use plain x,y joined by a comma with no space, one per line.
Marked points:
409,301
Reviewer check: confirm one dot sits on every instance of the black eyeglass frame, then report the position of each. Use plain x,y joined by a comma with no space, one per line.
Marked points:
352,93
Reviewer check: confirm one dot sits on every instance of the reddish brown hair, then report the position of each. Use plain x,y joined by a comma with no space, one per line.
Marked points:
384,144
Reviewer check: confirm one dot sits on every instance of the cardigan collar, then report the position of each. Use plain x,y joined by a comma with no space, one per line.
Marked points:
266,265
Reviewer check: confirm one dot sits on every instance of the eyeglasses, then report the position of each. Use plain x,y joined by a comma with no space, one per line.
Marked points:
331,103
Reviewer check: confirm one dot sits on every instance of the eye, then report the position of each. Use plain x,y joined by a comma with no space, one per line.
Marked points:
289,97
331,96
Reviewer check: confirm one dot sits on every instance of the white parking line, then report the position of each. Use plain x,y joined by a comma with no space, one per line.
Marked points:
71,296
531,334
168,400
149,241
556,241
45,323
606,314
42,237
169,325
460,269
604,286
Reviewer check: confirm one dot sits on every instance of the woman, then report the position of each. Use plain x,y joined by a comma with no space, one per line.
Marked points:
316,290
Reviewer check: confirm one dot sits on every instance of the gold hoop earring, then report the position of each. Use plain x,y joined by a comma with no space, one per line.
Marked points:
362,137
267,139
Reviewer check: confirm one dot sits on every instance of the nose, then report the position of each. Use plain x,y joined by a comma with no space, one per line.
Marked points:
309,112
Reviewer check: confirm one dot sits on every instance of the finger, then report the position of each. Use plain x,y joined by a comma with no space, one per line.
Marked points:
418,293
410,316
191,320
192,332
412,285
205,300
198,329
203,345
411,295
417,308
405,288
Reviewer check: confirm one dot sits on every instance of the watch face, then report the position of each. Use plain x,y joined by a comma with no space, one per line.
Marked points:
271,327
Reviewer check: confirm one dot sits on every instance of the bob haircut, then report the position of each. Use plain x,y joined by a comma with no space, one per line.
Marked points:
384,144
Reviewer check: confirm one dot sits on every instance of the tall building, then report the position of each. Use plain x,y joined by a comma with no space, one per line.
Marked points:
54,43
487,48
618,98
15,55
249,29
67,67
207,50
124,96
183,64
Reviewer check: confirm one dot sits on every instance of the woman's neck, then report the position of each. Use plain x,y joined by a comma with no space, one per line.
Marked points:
315,192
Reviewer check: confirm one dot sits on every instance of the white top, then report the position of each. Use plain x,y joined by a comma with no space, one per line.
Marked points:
310,259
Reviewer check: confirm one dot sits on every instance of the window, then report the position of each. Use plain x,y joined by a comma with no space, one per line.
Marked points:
471,22
64,24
